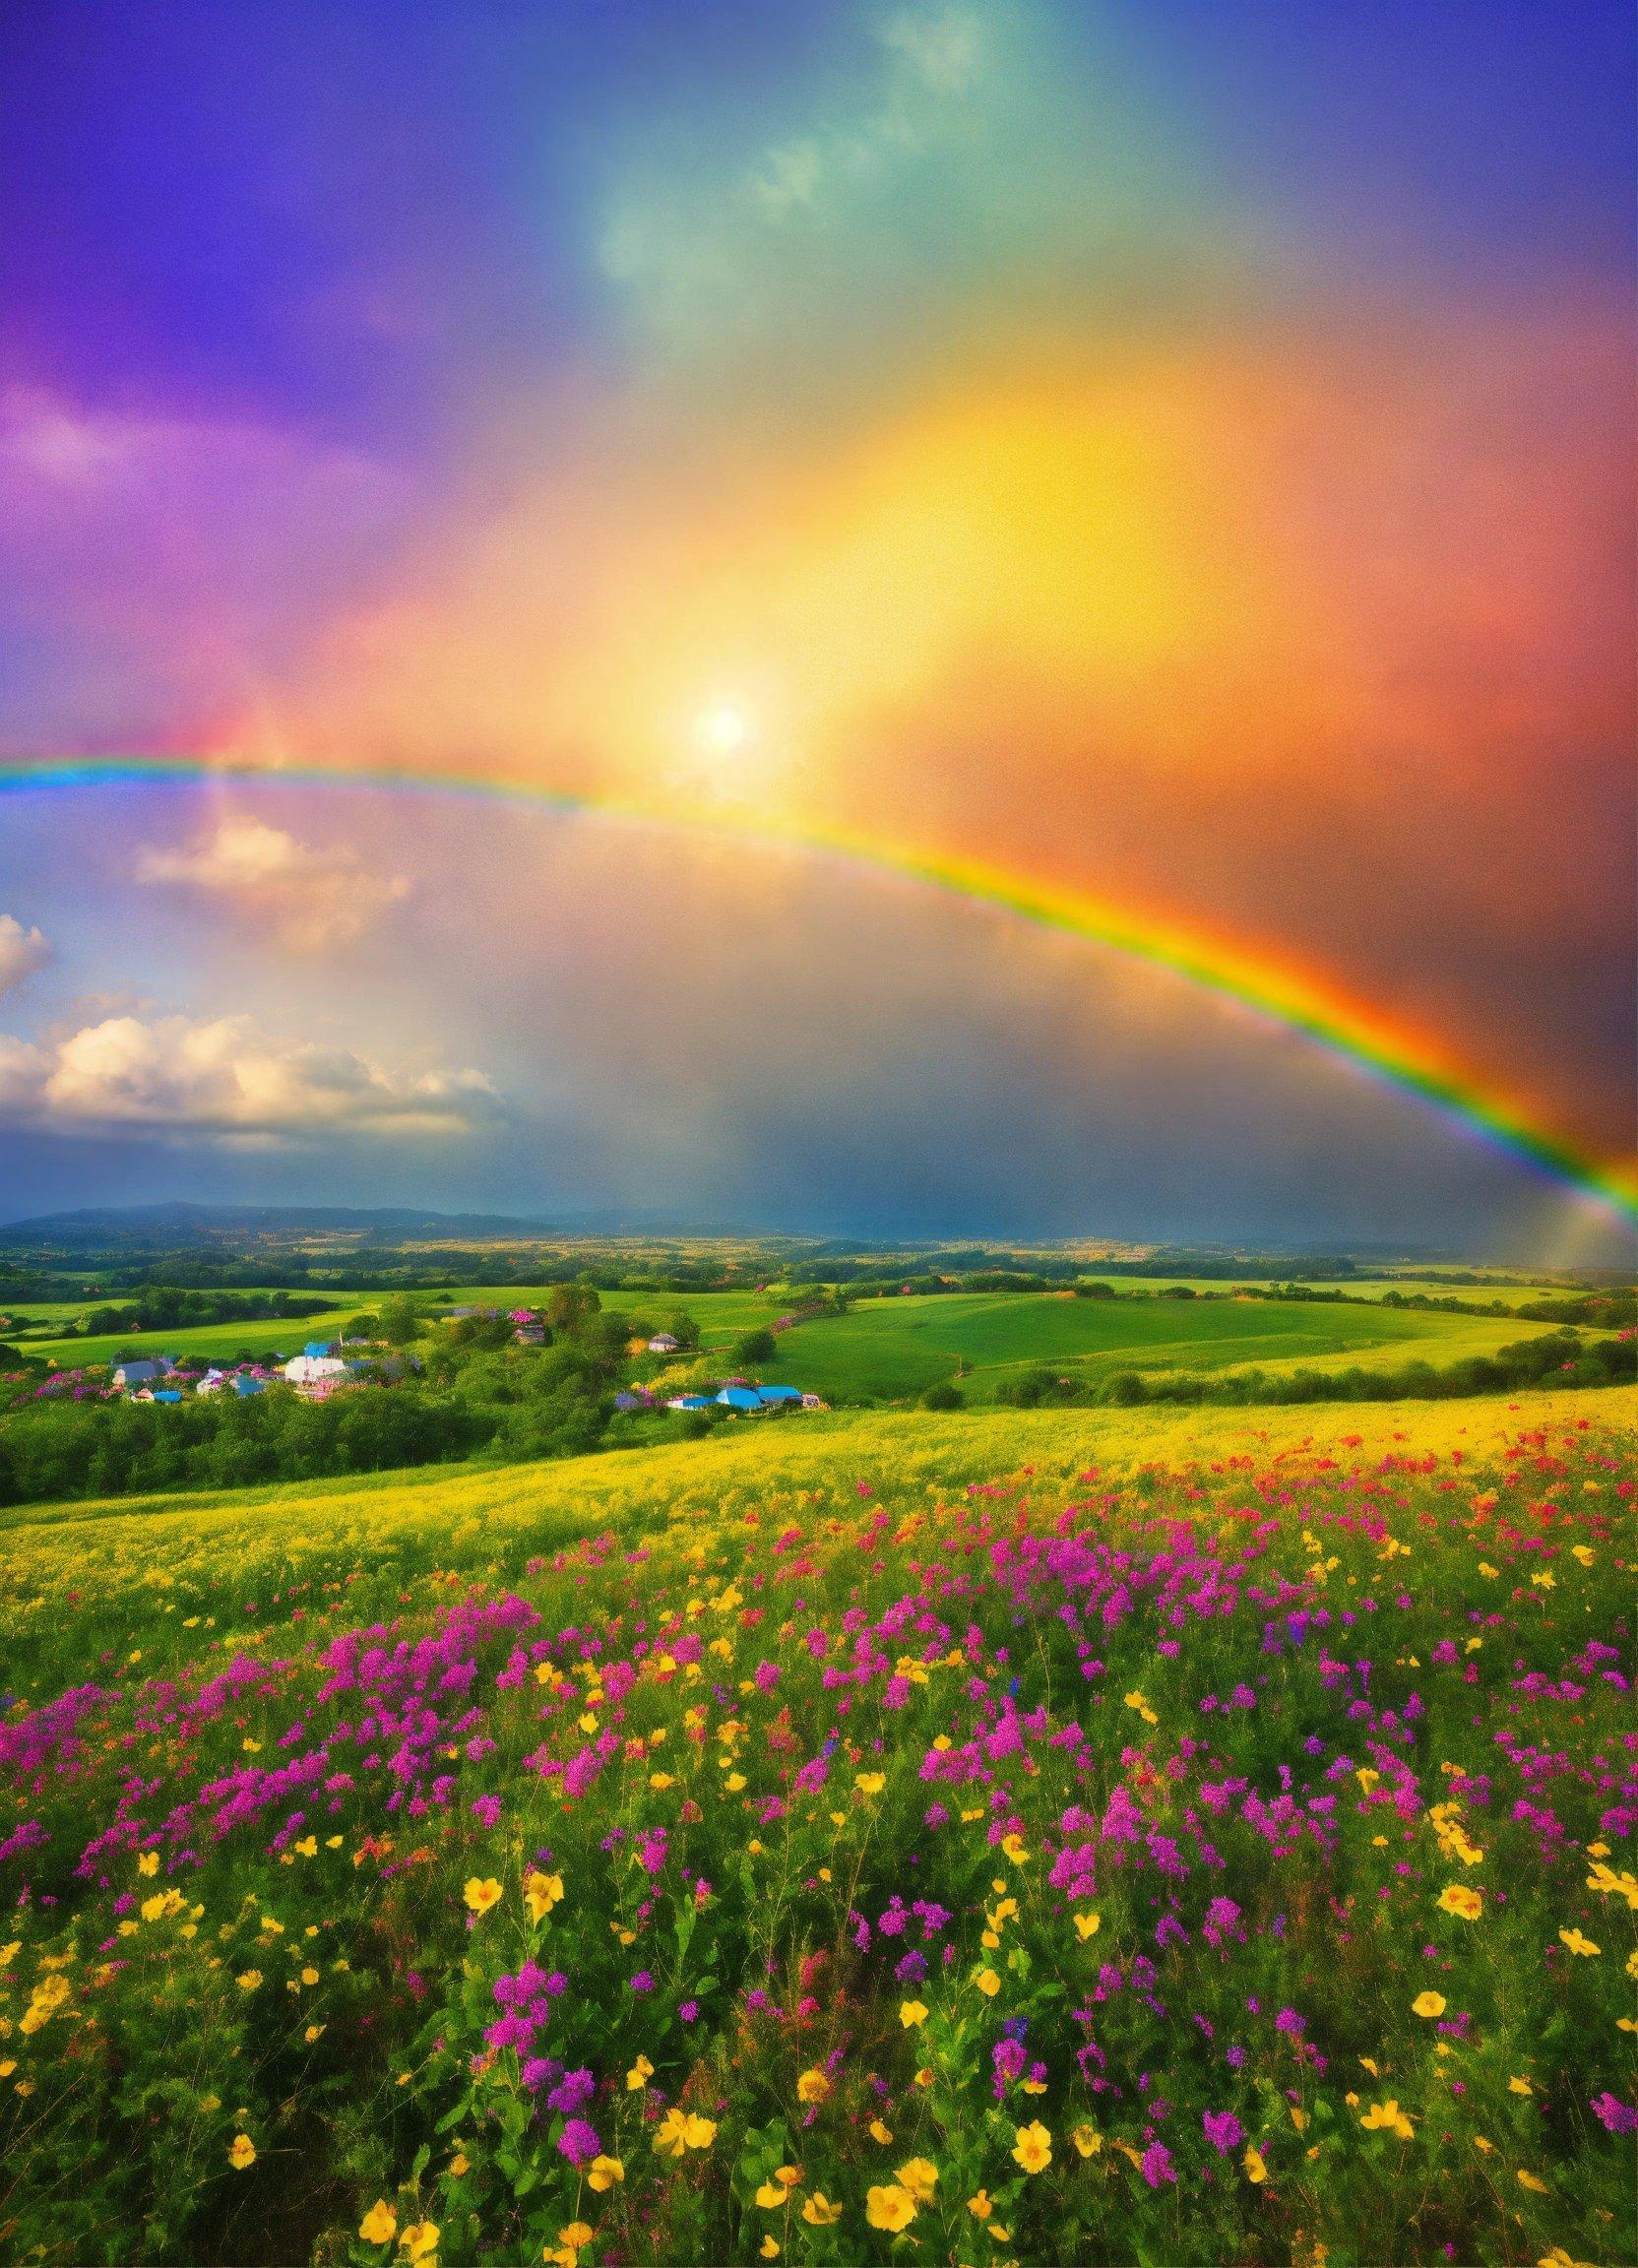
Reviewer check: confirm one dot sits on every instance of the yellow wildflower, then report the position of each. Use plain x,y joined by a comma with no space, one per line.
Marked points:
603,2171
888,2206
1255,2169
1032,2148
913,2013
241,2151
921,2178
379,2225
641,2072
812,2087
1577,1943
989,1983
819,2212
482,1892
1428,2004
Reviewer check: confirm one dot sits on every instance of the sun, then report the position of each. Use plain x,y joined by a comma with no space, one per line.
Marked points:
723,729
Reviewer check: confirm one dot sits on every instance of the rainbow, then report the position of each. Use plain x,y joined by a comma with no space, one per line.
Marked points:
1292,1000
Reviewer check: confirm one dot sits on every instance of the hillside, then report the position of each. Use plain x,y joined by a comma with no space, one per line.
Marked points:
1122,1837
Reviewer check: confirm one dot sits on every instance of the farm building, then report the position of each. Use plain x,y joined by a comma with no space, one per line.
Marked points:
310,1369
240,1383
753,1400
663,1343
129,1375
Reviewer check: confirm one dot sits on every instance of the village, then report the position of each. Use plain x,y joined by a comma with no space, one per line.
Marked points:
325,1368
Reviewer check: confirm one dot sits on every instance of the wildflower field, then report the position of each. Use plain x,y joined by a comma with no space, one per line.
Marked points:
1089,1835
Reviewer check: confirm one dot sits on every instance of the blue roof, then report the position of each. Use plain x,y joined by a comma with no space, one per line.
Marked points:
319,1347
695,1401
244,1385
167,1394
780,1393
740,1397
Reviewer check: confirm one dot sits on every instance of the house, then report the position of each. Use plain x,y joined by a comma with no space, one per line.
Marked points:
815,1402
744,1399
693,1402
780,1397
128,1375
239,1382
316,1348
663,1343
312,1370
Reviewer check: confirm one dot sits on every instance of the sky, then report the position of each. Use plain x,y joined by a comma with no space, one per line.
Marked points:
1171,460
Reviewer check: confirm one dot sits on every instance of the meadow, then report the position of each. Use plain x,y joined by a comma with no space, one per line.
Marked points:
895,1349
1120,1837
978,1341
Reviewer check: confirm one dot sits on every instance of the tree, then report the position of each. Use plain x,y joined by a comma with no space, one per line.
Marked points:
758,1346
399,1323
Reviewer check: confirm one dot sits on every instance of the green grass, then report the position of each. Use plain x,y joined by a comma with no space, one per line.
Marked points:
894,1348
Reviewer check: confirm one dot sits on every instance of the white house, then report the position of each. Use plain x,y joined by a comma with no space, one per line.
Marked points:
309,1369
663,1343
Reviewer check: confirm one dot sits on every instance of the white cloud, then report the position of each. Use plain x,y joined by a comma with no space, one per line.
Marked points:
224,1078
22,952
313,899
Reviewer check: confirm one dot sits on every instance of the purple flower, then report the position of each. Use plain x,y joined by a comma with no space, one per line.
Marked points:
1223,2132
579,2142
642,1981
572,2092
1618,2116
1157,2166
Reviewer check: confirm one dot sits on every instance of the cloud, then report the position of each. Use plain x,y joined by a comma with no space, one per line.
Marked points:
22,952
224,1078
313,899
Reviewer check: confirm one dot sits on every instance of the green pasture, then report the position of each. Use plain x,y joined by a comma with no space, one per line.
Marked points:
894,1349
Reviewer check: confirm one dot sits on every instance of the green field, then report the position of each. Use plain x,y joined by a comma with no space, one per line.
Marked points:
894,1348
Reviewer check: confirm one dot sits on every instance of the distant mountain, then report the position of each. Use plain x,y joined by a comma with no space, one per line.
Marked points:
182,1223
